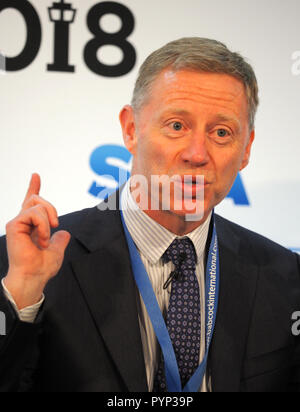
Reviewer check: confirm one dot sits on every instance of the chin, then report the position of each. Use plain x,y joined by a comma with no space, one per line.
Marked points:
191,209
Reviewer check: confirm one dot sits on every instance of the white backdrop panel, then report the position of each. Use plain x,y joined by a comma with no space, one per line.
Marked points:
51,122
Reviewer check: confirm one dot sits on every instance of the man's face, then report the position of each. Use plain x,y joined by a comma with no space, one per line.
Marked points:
191,124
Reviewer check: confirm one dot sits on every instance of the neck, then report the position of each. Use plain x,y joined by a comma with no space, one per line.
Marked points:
175,223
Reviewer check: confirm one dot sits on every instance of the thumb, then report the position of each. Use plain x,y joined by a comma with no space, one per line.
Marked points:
59,241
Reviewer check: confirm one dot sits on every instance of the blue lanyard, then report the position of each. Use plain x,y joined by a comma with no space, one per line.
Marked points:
211,298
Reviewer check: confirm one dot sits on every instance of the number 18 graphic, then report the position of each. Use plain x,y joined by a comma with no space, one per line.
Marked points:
63,15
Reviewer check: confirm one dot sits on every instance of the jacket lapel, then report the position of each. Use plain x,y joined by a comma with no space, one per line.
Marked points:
106,280
238,279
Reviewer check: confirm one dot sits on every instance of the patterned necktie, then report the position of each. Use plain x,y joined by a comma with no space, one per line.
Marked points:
183,317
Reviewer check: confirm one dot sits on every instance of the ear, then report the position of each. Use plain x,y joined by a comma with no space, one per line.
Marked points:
128,125
247,153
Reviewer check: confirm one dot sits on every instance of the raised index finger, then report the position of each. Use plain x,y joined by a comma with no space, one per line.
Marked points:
34,187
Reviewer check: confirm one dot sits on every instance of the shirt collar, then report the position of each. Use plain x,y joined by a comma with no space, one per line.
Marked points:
152,239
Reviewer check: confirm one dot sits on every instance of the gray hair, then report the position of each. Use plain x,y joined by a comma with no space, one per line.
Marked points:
201,55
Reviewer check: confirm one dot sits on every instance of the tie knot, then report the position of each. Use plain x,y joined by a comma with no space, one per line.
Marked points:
181,252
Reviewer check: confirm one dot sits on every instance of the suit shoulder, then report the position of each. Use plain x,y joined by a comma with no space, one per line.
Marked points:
72,220
252,242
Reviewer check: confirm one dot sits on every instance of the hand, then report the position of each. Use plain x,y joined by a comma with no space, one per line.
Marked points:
34,256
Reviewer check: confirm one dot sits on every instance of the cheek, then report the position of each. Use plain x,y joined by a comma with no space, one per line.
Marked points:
153,152
227,167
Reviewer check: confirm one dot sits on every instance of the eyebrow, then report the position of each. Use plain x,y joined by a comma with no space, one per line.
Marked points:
174,112
222,118
181,112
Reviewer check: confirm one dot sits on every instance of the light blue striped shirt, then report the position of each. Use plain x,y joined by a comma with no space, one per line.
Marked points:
152,240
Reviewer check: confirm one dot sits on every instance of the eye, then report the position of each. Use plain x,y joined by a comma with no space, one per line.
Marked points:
177,126
222,133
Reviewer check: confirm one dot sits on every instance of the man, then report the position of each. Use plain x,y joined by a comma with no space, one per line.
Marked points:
77,315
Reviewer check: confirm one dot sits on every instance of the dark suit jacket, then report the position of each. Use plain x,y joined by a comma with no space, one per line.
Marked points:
87,336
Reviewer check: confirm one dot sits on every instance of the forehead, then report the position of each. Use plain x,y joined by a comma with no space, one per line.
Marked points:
212,91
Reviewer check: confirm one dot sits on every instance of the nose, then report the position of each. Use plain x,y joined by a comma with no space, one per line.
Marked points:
195,153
